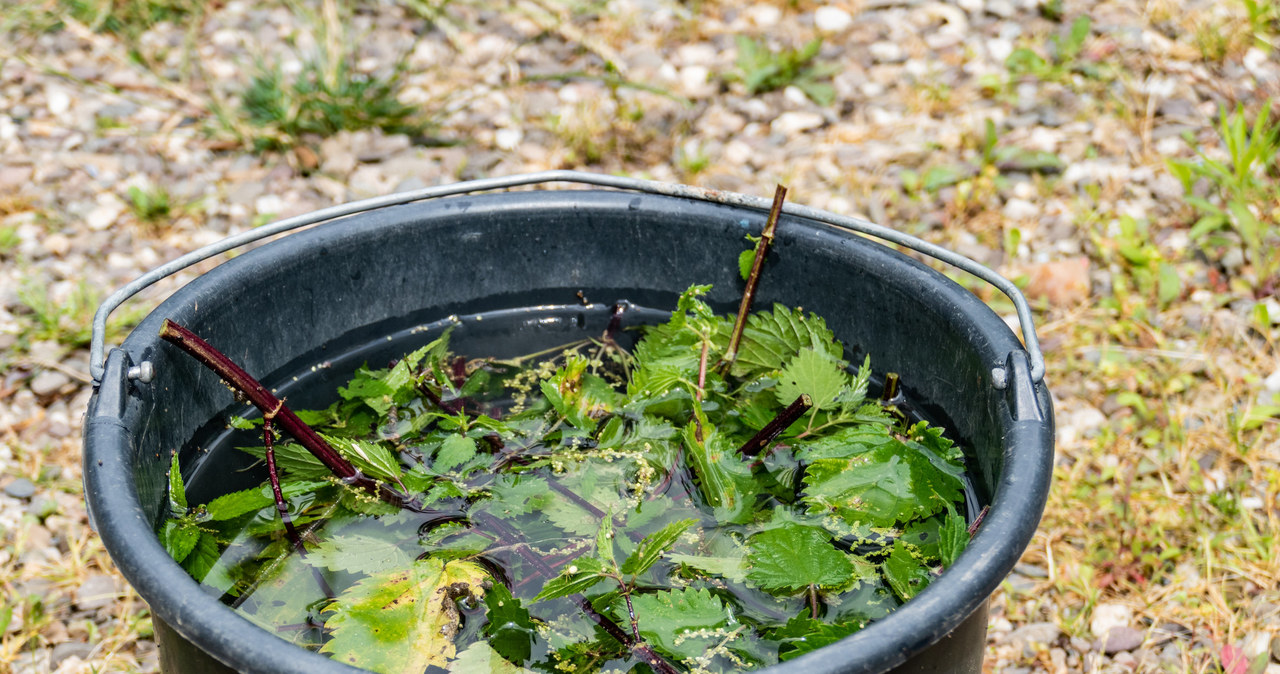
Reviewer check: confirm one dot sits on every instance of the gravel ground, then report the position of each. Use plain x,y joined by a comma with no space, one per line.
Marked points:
94,117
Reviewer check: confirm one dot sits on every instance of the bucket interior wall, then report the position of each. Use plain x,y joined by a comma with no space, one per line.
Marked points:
282,307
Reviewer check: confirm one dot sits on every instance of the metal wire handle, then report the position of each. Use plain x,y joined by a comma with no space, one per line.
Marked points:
143,371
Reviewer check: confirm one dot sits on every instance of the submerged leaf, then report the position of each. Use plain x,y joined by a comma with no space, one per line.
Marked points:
509,627
402,620
905,572
666,618
480,658
358,553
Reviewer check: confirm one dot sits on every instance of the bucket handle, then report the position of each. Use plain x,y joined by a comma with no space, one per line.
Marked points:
143,371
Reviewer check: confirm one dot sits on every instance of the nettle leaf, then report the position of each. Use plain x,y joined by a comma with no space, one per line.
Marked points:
203,563
953,537
651,549
666,618
792,557
370,457
884,482
731,568
579,576
359,553
813,373
580,397
177,490
604,541
517,495
368,387
771,338
292,459
724,478
455,451
510,630
237,503
905,572
402,620
481,658
803,634
179,538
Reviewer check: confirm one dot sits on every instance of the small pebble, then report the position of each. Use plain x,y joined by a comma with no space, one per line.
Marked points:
20,488
832,20
1109,615
97,591
1122,638
48,383
69,649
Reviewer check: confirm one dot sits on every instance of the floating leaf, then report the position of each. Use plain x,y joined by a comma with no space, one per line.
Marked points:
651,549
456,450
370,457
792,557
402,620
579,576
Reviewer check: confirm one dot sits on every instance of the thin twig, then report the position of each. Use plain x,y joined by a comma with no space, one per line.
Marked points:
753,279
765,436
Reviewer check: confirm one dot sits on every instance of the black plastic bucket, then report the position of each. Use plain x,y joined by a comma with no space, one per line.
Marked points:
310,297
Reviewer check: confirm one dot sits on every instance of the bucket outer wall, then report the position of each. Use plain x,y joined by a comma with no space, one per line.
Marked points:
285,302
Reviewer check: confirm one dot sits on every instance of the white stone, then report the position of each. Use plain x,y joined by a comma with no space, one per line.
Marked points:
105,213
832,20
1254,59
58,100
789,123
1272,382
764,16
700,54
885,51
269,204
971,6
1020,209
1256,643
508,139
737,152
999,48
1106,616
696,82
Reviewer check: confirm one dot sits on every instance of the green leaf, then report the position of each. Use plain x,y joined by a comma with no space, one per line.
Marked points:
292,460
905,572
359,553
666,617
803,634
812,373
510,630
456,450
651,549
179,538
370,457
579,576
237,503
792,557
481,658
177,491
604,541
202,563
747,258
402,620
953,537
771,338
880,480
731,568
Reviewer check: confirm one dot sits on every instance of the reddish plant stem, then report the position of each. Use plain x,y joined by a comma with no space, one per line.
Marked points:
697,395
631,612
267,403
577,500
615,323
753,279
268,444
765,436
450,407
977,521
